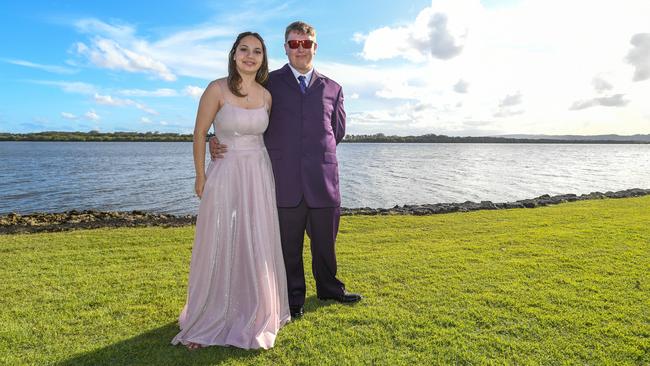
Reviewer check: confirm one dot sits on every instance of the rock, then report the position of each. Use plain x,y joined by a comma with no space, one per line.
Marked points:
514,205
488,205
565,198
528,203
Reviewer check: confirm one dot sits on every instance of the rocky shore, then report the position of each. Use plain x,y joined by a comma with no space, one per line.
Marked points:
48,222
440,208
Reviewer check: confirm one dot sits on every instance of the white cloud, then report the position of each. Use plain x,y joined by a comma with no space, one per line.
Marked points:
145,120
378,118
146,109
616,100
552,58
507,112
95,26
639,56
49,68
508,106
119,102
69,86
69,116
439,40
189,90
511,100
385,43
439,31
189,52
109,100
359,37
109,54
601,85
461,86
193,91
191,36
164,92
399,82
92,115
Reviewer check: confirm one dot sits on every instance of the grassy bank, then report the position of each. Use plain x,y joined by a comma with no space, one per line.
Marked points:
552,285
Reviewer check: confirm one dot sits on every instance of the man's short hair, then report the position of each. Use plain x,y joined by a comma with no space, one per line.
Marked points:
299,27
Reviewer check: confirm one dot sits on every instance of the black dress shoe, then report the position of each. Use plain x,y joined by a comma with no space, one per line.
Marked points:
345,298
296,311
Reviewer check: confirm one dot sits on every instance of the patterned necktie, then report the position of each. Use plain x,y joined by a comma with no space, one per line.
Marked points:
303,86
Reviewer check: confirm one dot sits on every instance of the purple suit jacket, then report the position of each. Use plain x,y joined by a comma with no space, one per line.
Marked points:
301,139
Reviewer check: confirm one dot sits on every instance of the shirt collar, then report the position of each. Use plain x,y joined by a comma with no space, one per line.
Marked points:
307,76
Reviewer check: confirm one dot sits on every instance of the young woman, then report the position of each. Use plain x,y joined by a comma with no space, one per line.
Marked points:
237,293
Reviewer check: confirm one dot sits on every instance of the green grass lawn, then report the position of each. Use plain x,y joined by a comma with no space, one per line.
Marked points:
566,284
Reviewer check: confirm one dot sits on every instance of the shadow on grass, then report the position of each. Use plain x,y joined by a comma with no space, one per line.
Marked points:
154,348
312,303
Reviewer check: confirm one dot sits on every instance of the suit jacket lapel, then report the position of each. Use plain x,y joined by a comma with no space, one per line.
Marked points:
288,77
316,80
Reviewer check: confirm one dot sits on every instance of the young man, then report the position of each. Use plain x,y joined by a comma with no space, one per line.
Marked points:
307,121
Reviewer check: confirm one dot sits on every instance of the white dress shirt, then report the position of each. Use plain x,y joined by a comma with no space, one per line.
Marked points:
307,76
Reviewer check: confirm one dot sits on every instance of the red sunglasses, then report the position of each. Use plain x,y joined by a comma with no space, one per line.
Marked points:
306,43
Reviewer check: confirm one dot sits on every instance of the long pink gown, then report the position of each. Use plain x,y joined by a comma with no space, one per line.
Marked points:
237,293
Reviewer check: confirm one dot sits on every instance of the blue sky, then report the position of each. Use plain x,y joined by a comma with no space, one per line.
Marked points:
455,67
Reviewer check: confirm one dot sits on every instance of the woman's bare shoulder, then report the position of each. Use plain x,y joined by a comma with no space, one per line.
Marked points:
217,84
215,89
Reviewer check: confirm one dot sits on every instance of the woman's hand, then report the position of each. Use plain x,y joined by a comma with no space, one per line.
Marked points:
199,183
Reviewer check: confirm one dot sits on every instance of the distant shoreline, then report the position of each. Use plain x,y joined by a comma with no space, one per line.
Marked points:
95,136
14,223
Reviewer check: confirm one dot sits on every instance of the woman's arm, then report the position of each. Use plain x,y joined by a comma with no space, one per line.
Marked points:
208,107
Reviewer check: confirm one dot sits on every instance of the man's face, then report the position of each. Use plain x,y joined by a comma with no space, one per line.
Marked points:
300,58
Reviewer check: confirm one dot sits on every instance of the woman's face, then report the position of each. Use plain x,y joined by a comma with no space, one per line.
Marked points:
249,55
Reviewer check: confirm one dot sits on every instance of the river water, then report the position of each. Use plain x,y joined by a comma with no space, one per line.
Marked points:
159,176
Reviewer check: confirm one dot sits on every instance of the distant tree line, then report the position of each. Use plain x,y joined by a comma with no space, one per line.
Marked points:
433,138
94,136
379,137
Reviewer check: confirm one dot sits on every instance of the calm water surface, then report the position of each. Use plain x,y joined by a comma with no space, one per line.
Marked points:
159,176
